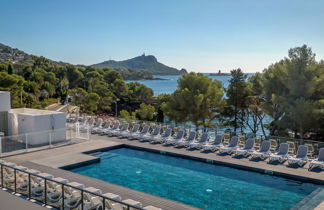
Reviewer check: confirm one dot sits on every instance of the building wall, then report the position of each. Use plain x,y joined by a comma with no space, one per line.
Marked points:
38,127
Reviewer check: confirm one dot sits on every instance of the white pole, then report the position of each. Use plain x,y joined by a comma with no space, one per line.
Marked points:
50,139
0,145
88,132
77,129
26,141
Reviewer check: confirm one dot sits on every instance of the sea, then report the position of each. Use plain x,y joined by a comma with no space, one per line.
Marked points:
168,84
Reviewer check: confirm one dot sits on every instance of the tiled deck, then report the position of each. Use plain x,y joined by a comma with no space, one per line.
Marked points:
13,202
50,160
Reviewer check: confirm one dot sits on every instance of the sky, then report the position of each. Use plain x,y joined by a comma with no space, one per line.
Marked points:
199,35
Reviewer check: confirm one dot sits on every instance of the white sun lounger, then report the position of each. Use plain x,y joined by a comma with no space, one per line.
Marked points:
104,128
118,131
247,150
133,203
131,132
172,141
300,158
54,190
115,127
233,145
186,141
198,143
264,151
319,161
91,201
97,127
72,196
281,155
110,203
165,137
213,145
139,135
149,136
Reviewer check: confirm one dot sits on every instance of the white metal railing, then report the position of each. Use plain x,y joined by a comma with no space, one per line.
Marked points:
27,142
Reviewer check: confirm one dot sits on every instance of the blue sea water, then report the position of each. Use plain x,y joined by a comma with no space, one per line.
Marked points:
169,84
196,183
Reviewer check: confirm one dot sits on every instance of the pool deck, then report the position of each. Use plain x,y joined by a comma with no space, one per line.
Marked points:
52,160
9,201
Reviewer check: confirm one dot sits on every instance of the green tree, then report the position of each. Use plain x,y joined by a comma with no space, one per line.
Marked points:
126,115
91,103
145,112
10,69
255,101
78,96
237,93
197,99
293,90
139,92
14,84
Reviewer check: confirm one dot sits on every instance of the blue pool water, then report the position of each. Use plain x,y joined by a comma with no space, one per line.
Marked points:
195,183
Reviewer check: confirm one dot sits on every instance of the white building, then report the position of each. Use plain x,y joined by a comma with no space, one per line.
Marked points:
40,126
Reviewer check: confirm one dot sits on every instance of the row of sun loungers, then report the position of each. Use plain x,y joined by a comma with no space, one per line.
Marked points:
54,190
203,143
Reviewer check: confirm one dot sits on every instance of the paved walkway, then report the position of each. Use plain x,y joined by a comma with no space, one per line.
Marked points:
13,202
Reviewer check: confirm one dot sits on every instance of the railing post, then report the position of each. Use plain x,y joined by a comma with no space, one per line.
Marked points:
63,196
1,175
15,178
0,145
29,186
26,142
45,191
82,199
77,129
88,132
70,133
50,138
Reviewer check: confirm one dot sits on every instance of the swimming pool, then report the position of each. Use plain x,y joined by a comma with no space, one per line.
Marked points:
195,183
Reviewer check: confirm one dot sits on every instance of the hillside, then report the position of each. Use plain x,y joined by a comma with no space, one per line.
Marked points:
8,54
146,63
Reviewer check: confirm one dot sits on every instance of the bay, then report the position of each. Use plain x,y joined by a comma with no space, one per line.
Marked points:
168,84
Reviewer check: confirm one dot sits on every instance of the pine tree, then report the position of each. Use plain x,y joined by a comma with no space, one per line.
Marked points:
237,93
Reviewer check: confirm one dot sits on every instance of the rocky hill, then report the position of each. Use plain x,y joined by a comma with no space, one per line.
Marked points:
144,62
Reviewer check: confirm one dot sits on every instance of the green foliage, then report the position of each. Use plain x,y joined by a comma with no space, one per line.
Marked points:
10,69
145,112
126,115
237,93
197,99
136,75
91,103
139,92
293,89
14,84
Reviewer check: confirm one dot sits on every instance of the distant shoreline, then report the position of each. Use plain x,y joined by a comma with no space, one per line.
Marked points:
146,79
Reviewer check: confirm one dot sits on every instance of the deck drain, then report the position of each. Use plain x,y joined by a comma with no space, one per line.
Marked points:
209,190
